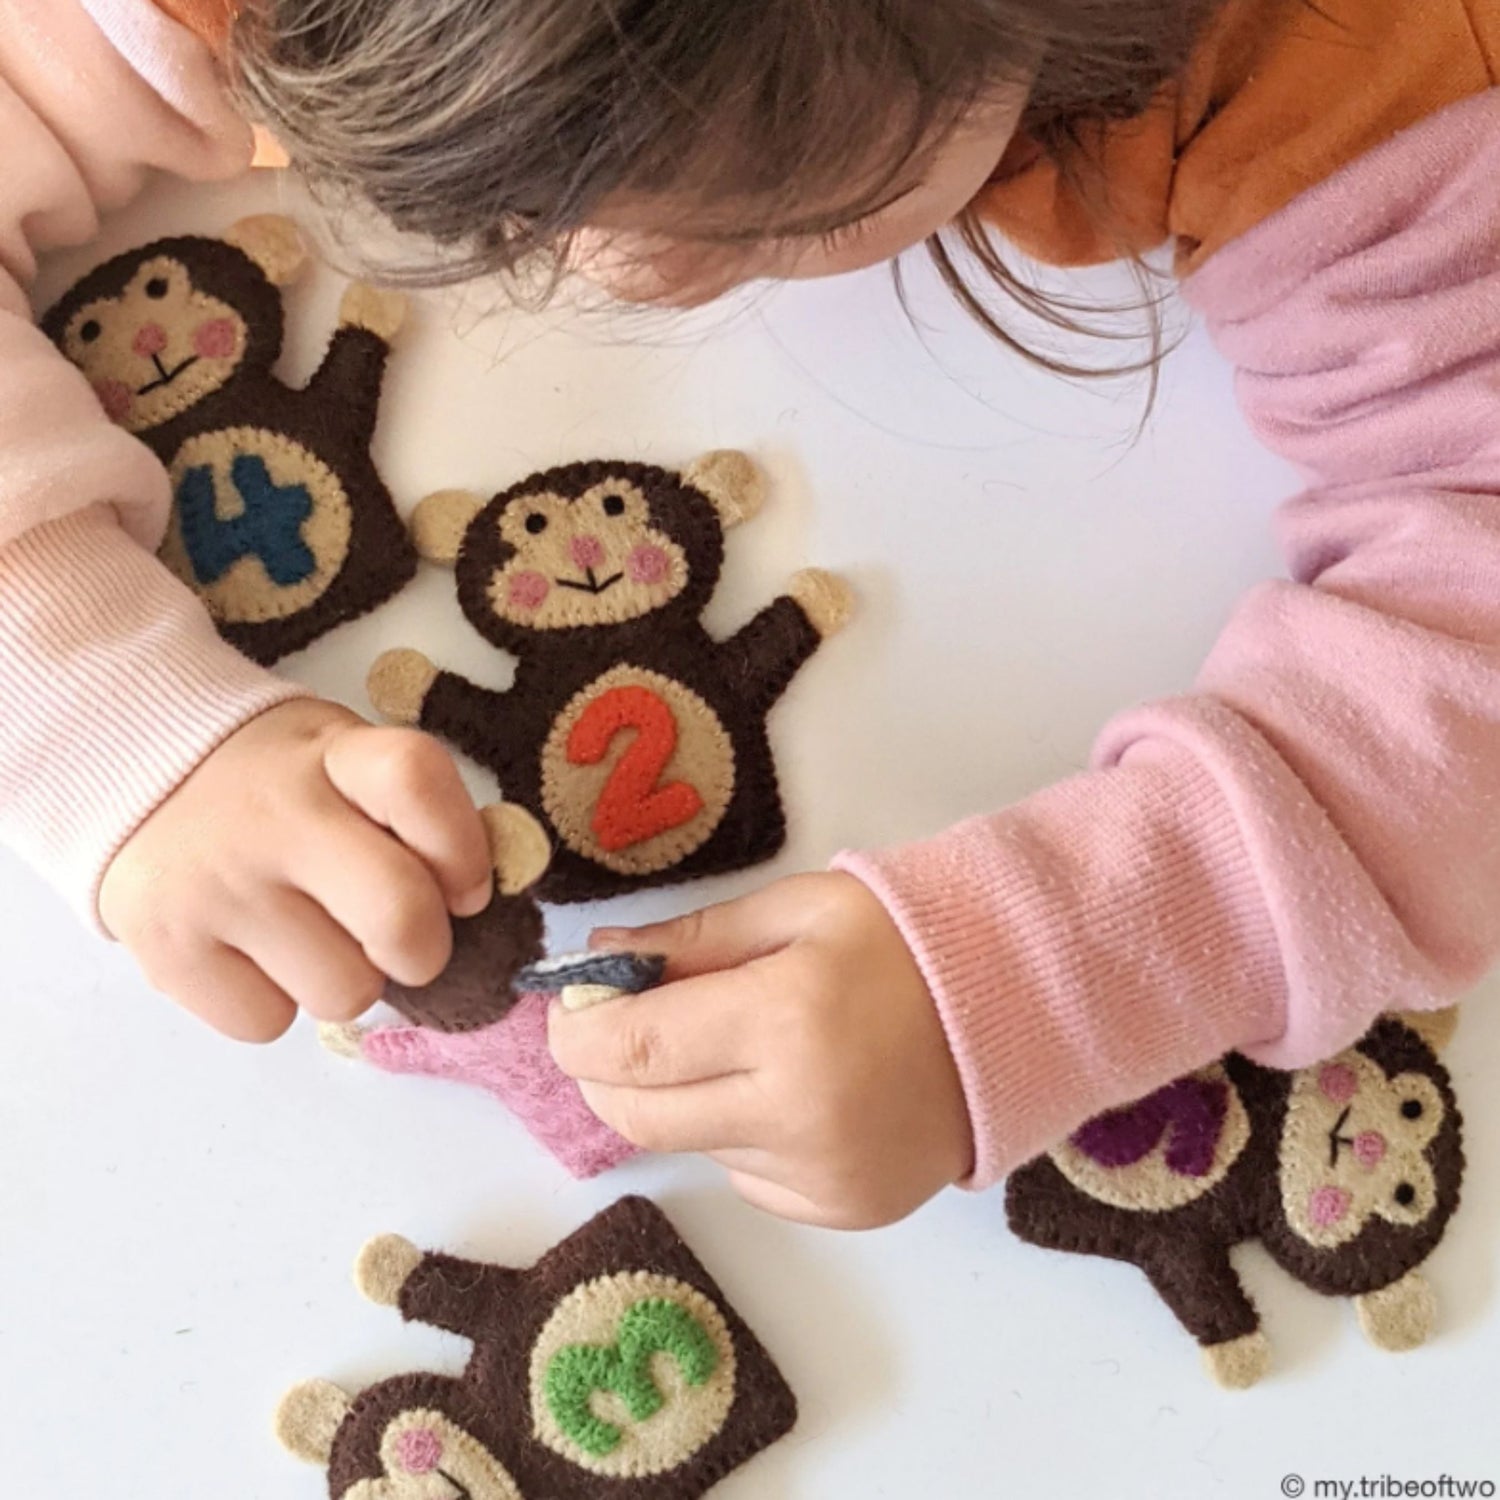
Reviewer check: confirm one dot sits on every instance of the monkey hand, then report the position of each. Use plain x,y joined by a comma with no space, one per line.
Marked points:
398,685
825,598
381,312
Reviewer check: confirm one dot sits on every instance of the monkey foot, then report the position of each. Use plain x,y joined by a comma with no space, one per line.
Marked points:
1237,1364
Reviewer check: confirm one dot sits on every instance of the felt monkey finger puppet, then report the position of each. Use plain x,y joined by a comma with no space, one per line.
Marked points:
634,735
614,1367
483,1021
279,520
1347,1172
490,950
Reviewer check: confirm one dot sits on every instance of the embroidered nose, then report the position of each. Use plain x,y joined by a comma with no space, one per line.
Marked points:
1369,1148
150,338
588,551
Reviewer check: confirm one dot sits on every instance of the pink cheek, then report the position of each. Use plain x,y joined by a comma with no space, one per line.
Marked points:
1369,1148
215,339
646,565
419,1451
1337,1081
115,397
1327,1205
527,590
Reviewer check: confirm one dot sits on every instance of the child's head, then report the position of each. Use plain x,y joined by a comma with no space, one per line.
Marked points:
680,147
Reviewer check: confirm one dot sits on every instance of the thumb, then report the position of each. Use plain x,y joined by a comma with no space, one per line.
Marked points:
715,937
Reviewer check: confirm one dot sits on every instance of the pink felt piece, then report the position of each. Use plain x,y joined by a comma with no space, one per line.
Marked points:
511,1061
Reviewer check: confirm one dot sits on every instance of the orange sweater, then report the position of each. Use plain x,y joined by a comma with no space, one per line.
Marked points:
211,19
1278,96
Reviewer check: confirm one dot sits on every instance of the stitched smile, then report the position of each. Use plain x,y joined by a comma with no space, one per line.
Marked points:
460,1491
164,376
592,586
1335,1140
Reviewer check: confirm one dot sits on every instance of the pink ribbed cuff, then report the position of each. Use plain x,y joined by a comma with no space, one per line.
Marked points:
114,685
1083,948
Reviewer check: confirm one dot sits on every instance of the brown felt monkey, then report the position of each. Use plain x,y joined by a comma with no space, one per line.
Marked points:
1348,1172
615,1367
638,738
280,521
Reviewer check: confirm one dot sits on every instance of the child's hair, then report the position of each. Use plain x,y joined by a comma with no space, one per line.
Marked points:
495,129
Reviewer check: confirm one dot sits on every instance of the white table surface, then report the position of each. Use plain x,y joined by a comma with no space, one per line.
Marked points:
178,1214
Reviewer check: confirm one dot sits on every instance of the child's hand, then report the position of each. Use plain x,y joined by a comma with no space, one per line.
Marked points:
797,1045
310,856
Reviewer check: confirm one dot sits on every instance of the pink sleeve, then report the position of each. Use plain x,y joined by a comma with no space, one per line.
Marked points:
1313,835
113,683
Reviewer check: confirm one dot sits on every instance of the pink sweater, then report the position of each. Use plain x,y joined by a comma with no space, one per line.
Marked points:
113,682
1309,838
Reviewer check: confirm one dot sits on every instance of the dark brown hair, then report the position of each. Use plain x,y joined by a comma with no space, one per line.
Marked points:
495,129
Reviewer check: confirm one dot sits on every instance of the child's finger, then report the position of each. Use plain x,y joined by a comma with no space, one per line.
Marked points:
711,1116
689,1032
304,952
383,896
228,991
716,937
408,783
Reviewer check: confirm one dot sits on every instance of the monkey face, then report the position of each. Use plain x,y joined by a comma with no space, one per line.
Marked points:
1355,1148
428,1457
592,559
155,347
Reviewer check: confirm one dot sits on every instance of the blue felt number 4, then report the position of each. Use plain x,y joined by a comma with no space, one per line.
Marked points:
269,527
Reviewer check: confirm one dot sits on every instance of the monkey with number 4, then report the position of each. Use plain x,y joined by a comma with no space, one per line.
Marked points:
280,520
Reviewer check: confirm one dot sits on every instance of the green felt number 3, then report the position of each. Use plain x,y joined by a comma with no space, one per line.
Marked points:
653,1326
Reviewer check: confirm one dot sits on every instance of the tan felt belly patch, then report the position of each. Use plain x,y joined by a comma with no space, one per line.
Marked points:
637,772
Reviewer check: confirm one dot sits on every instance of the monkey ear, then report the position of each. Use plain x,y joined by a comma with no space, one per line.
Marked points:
732,482
439,522
308,1419
273,243
519,847
1435,1027
1400,1316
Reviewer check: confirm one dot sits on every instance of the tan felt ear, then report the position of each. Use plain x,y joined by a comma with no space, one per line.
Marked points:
273,243
1435,1027
1237,1364
519,847
398,685
439,522
308,1419
732,481
1400,1316
382,1267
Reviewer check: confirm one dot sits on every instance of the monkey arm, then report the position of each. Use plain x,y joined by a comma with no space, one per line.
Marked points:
459,1296
473,719
759,661
348,381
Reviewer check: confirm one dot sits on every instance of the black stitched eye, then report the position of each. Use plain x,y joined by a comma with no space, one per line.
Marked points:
536,523
1406,1195
614,505
90,330
156,288
1412,1109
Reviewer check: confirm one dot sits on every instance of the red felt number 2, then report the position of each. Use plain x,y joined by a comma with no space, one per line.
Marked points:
632,808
